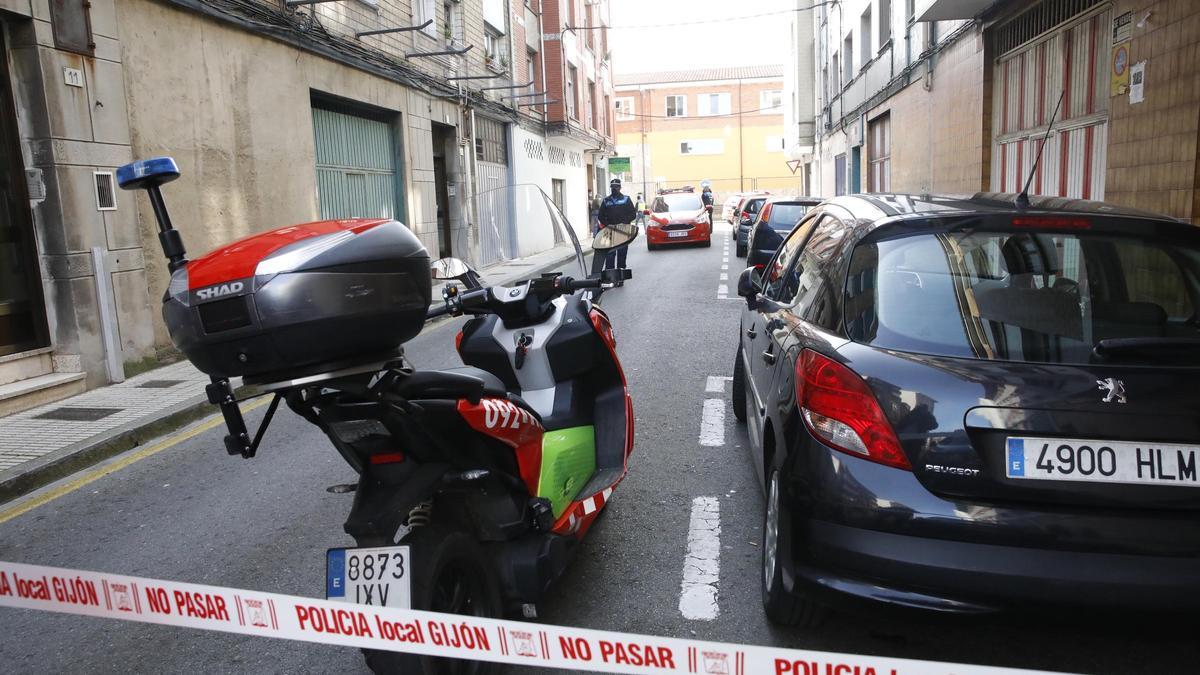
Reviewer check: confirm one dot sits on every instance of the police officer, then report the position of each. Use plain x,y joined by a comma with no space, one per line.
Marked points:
706,196
616,209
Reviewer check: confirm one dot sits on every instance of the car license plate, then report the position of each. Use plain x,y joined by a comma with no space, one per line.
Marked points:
369,576
680,233
1102,461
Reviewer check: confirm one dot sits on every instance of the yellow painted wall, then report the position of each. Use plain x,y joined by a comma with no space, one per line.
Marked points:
758,167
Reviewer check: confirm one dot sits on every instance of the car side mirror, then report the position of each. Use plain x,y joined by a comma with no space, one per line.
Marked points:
645,212
749,286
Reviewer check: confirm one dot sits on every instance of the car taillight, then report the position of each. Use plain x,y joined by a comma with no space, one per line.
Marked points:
840,409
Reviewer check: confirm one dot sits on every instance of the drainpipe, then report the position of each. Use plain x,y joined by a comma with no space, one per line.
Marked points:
642,107
741,170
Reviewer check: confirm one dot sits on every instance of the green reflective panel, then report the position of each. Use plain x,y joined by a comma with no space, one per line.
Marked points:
568,461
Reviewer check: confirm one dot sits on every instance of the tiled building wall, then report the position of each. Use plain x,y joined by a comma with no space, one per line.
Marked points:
1153,158
938,141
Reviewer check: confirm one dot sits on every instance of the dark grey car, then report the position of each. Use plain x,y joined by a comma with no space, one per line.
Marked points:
960,405
775,219
745,216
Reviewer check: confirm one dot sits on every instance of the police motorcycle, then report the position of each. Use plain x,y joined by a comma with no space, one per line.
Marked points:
475,484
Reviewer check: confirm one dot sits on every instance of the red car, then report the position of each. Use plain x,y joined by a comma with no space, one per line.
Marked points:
677,217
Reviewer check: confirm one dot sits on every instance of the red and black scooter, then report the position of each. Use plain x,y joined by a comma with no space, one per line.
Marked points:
477,483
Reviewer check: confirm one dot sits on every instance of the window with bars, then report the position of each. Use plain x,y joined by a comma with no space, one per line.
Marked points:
490,141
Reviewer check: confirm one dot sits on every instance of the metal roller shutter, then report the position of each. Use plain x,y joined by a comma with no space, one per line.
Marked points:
356,166
1066,53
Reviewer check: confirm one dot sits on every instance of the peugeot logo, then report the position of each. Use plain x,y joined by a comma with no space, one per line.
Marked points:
1115,389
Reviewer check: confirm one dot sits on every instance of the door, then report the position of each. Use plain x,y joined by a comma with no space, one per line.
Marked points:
442,194
22,311
356,165
496,240
856,169
765,327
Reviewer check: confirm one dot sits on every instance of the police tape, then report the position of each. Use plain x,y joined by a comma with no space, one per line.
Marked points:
290,617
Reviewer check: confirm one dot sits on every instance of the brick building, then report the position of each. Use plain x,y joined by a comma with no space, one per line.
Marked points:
725,125
956,97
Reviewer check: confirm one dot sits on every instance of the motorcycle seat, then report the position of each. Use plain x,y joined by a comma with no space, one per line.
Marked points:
464,382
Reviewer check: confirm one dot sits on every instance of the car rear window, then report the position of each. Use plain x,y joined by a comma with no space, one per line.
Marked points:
679,202
753,205
783,217
1042,297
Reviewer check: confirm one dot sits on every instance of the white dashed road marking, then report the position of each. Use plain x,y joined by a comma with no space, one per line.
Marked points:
724,276
716,384
702,565
712,423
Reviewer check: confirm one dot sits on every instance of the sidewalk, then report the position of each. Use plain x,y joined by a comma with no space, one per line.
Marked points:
46,443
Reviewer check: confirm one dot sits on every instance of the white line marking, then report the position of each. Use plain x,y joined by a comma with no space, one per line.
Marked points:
712,423
702,564
723,289
724,276
724,267
716,383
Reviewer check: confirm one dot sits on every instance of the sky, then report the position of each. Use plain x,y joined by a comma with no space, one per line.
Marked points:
726,41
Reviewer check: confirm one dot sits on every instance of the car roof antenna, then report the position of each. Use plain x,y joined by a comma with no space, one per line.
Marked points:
1023,197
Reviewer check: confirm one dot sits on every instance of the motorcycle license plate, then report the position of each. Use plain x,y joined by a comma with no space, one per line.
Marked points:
677,234
369,576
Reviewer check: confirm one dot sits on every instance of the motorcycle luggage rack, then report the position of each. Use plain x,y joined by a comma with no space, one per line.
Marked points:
238,441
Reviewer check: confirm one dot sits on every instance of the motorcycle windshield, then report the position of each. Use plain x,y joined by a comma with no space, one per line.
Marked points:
514,221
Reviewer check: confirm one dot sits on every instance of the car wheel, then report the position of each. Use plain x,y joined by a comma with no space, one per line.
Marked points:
740,251
781,607
650,247
708,242
739,388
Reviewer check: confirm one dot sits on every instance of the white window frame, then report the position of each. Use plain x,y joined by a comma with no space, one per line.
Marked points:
624,108
710,142
704,101
572,91
764,104
667,108
422,11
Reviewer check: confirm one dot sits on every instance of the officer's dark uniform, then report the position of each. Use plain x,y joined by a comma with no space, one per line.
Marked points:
617,208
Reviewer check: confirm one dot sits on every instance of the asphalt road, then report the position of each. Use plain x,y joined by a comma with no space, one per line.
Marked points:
191,513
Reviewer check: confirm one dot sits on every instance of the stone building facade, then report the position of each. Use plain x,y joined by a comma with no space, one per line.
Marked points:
276,114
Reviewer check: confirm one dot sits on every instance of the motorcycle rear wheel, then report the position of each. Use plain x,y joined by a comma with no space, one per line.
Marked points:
451,574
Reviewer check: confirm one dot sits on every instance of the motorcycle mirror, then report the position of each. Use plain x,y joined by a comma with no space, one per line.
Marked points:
445,269
614,236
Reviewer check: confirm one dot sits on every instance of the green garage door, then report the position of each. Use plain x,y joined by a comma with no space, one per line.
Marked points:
356,166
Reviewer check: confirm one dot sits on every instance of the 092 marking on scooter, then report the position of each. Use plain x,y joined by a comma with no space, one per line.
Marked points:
498,413
369,576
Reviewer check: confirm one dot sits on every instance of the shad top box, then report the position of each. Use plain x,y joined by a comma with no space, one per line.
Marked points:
300,299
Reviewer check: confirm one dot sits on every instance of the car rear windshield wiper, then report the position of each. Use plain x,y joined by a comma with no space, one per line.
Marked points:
1148,346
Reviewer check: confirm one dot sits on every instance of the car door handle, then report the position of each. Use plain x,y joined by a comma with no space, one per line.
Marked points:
750,333
768,357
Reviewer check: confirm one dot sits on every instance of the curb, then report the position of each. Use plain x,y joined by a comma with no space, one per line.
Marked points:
81,455
78,456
